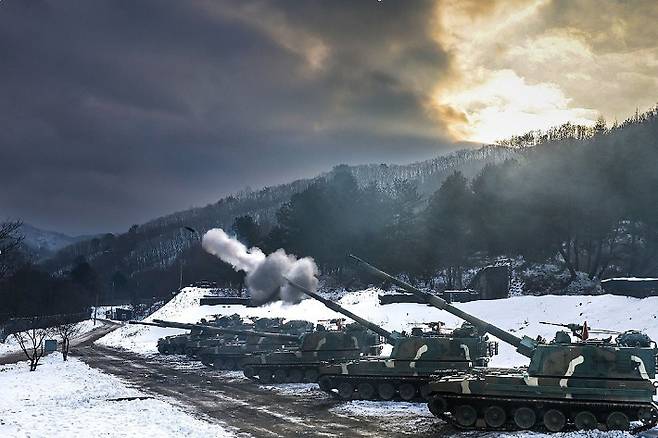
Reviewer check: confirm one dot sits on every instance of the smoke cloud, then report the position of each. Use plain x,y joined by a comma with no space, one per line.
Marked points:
266,275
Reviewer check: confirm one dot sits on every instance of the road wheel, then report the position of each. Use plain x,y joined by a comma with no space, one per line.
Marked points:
230,364
325,383
265,375
525,417
345,390
495,416
426,392
365,390
386,391
407,391
166,349
617,421
437,406
466,415
311,375
218,364
585,420
249,372
554,420
280,375
296,375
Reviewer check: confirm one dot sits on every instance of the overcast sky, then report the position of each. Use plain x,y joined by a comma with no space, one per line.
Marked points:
115,112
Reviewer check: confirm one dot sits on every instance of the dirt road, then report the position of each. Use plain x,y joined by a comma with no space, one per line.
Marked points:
252,409
104,327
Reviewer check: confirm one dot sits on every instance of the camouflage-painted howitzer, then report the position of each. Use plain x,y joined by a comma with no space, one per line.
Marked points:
405,374
316,349
587,385
229,355
187,343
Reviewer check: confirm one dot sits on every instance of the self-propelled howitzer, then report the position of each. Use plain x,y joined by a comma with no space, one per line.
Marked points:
230,355
589,384
237,343
404,374
188,343
316,349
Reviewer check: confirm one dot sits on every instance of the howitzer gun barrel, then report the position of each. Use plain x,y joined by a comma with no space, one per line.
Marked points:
337,308
154,324
523,345
227,331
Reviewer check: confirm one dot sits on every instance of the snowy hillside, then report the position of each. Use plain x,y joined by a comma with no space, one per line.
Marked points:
43,243
520,315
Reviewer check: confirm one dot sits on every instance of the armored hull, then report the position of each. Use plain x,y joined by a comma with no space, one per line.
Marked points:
509,400
229,356
303,364
406,373
577,386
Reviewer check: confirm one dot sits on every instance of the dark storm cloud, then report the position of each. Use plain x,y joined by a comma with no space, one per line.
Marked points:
112,112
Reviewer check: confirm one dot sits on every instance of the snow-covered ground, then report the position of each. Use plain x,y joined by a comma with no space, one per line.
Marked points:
11,345
70,399
520,315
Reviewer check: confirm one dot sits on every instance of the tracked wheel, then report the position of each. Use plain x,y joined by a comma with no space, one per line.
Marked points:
585,420
265,375
437,406
525,417
554,420
311,375
618,421
386,391
365,390
345,390
407,391
426,392
495,416
230,364
249,372
465,415
296,375
325,383
218,364
280,375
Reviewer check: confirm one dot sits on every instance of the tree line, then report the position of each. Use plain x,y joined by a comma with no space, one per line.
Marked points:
582,199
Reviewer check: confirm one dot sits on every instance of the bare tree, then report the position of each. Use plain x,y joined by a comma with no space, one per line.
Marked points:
66,332
31,342
9,241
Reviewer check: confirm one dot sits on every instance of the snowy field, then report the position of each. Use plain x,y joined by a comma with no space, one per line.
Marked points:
520,315
11,345
69,399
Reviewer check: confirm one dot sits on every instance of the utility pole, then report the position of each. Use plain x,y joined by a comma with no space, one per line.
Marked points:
180,282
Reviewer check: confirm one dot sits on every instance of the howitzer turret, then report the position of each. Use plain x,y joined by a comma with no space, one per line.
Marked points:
389,336
406,372
225,330
524,346
593,383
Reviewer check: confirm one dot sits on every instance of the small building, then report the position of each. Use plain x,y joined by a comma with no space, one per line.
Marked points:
631,286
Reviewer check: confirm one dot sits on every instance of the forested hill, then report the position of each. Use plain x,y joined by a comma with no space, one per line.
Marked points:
581,199
156,245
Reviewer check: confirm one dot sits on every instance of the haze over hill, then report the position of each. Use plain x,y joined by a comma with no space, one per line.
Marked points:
574,197
157,243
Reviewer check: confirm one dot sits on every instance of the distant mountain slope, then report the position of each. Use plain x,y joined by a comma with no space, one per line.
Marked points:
41,244
157,243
